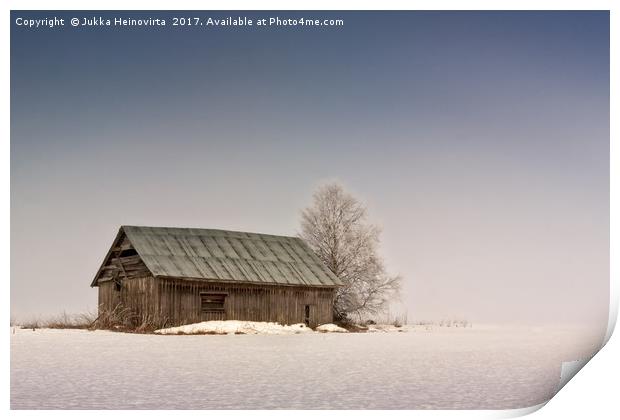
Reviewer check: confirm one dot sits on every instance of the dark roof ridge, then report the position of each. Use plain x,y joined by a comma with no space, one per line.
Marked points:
225,231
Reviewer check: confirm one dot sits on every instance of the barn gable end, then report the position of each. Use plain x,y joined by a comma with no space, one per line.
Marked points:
121,262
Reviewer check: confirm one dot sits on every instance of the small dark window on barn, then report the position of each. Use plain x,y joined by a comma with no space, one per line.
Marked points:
128,252
117,285
212,302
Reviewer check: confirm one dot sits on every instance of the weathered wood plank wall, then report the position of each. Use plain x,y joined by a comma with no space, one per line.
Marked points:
137,294
177,301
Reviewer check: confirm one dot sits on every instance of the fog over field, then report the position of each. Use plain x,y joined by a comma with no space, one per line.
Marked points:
479,141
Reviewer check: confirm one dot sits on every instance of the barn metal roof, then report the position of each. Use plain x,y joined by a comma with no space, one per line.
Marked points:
221,255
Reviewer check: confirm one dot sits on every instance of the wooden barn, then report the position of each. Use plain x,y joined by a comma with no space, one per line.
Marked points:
179,275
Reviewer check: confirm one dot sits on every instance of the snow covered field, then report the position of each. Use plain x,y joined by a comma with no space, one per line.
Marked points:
484,368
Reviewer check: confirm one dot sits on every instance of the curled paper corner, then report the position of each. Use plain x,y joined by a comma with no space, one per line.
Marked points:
613,318
519,412
570,369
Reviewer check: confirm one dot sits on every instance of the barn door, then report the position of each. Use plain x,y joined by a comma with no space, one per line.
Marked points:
309,316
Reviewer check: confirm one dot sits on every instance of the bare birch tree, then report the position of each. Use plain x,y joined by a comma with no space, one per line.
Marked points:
335,227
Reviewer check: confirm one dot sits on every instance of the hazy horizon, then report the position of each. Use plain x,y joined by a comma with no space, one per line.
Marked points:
478,140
